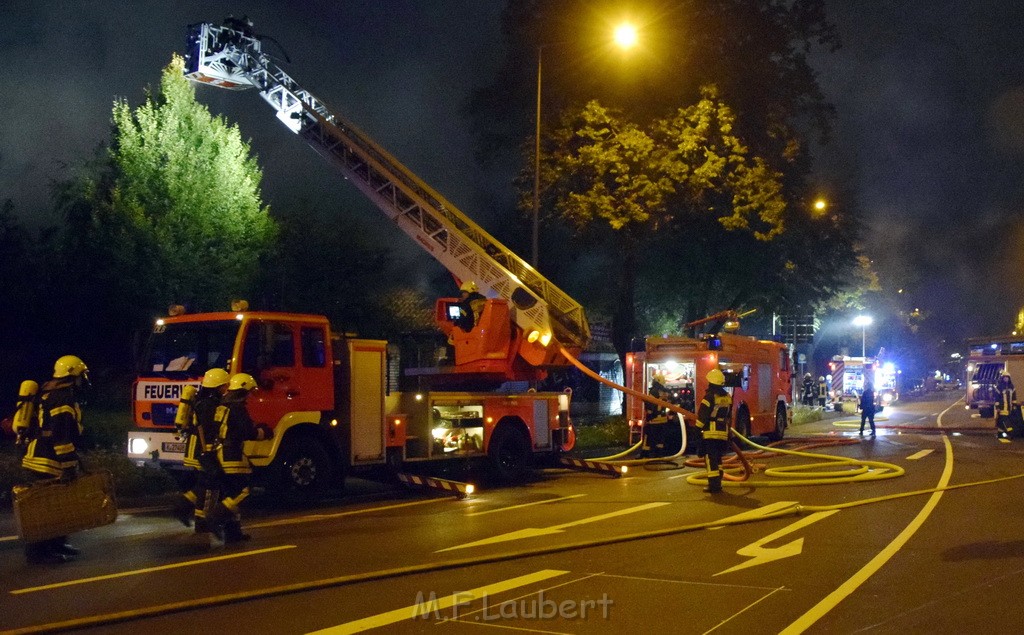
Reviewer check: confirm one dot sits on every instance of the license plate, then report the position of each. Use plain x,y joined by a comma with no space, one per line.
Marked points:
171,446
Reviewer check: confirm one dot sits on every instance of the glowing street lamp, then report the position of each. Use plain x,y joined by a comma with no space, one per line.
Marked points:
863,321
625,36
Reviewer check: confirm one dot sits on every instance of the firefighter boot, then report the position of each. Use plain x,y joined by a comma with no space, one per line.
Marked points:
714,485
184,508
233,532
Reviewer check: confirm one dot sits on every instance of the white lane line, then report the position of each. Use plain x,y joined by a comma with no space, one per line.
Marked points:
533,532
833,599
315,517
432,606
124,574
744,609
505,509
919,455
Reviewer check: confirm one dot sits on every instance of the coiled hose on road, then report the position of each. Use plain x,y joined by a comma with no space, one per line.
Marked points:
738,469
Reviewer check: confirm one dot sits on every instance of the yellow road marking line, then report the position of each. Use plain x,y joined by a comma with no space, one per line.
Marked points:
123,574
464,617
8,538
505,509
315,517
919,455
808,619
434,605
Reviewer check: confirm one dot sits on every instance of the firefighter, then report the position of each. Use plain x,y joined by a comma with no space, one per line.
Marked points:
235,428
52,440
1007,404
867,407
808,388
471,304
196,421
655,419
713,418
822,391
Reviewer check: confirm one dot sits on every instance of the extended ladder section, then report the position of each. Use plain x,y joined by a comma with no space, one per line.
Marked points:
230,57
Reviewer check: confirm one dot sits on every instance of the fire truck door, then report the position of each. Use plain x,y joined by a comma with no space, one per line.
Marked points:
268,354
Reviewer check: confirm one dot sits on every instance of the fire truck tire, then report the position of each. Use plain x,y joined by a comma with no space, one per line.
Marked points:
780,424
305,466
509,453
743,421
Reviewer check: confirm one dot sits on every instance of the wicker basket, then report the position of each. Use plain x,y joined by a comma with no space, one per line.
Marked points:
48,509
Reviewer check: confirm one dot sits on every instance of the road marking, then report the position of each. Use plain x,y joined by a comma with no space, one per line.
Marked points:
938,420
755,513
315,517
8,538
547,531
819,610
505,509
124,574
759,554
919,455
433,606
744,609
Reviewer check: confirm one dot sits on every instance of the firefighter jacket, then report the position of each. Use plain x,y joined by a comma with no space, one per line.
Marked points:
203,430
53,445
1007,397
470,308
715,413
653,412
235,428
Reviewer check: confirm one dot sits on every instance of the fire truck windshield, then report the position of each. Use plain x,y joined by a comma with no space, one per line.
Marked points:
190,348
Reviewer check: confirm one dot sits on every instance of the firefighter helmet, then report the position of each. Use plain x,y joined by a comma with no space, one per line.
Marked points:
659,378
242,381
469,287
69,366
716,377
215,378
822,378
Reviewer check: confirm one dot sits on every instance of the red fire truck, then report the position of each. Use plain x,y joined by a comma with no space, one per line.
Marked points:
336,403
757,373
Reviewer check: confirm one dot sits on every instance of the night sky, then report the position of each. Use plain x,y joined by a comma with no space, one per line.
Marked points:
928,142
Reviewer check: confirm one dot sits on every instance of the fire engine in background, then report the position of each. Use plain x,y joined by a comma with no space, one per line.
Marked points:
987,358
337,402
757,373
850,373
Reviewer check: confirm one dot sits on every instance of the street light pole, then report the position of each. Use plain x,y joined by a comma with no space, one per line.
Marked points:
626,37
536,164
862,321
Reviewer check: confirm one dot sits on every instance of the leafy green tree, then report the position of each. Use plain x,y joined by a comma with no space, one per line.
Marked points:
188,181
629,182
740,243
171,213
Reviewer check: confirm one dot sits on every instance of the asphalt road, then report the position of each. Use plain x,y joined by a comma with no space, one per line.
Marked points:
575,552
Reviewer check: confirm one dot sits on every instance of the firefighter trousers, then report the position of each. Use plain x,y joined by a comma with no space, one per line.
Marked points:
713,451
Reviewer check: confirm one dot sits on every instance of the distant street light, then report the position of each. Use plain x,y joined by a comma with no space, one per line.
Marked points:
625,36
863,321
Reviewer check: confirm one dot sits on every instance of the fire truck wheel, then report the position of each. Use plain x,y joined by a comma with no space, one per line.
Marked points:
510,454
306,467
743,421
780,424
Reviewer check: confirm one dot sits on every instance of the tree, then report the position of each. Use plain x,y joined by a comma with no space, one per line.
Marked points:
690,246
606,171
171,213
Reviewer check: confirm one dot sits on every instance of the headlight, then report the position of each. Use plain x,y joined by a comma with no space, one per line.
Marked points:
137,446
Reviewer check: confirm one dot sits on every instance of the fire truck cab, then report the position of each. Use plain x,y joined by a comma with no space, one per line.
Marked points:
758,374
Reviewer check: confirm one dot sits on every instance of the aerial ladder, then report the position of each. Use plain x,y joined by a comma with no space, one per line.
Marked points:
550,324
